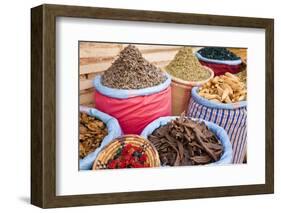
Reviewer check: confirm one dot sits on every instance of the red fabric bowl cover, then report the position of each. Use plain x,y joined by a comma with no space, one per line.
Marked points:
134,114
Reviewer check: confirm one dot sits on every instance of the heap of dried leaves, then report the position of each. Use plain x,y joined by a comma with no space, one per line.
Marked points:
92,132
131,71
186,142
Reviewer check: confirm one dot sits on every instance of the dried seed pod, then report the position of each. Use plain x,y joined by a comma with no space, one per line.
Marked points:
220,90
232,76
241,98
224,94
230,90
215,80
226,89
228,100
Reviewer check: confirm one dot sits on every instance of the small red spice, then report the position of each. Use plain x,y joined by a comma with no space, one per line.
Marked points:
143,158
122,164
130,156
112,164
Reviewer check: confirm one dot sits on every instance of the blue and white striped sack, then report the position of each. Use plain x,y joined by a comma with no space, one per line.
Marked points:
231,117
114,131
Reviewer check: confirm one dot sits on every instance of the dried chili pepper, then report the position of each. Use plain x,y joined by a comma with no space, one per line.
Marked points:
128,156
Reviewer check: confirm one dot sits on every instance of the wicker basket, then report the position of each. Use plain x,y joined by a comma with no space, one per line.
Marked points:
110,150
181,92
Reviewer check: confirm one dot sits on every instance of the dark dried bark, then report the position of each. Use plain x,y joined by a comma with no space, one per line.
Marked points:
186,142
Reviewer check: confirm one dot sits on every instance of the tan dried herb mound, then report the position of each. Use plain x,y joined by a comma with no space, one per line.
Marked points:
131,71
187,67
92,132
186,142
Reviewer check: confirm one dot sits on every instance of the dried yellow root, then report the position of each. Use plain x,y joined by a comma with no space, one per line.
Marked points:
226,88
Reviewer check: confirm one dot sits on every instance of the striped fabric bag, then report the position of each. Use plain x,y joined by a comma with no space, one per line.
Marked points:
232,117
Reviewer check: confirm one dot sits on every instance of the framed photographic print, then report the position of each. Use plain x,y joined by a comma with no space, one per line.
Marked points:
137,106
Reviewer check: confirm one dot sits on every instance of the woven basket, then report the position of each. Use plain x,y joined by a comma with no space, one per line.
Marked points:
181,92
110,150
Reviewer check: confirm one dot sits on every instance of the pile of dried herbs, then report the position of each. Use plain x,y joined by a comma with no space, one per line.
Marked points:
187,67
131,71
92,132
218,53
186,142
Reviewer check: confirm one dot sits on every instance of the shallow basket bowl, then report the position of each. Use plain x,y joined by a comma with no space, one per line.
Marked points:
110,150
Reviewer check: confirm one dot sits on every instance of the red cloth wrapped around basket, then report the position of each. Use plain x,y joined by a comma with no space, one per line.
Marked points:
135,113
220,69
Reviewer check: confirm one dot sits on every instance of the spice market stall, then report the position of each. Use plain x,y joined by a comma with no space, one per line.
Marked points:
158,95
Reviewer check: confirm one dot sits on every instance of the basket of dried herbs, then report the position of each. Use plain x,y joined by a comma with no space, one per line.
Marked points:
96,130
128,151
131,89
219,59
182,141
186,72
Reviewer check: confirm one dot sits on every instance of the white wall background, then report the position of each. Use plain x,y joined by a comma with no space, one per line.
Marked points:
15,104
